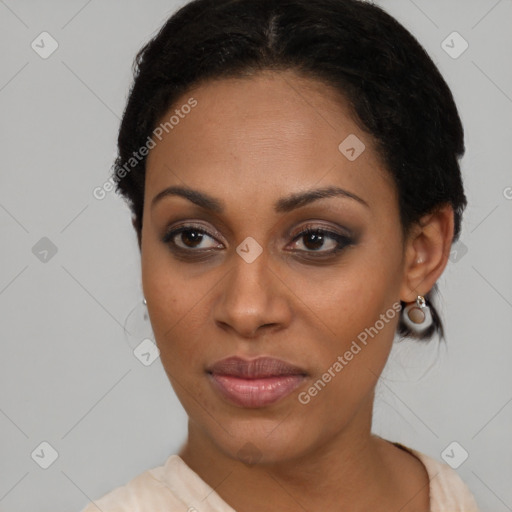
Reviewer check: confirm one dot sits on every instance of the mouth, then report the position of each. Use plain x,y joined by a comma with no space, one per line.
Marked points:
255,383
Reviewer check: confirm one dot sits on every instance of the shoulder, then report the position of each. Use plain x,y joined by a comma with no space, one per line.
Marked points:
448,493
172,486
146,488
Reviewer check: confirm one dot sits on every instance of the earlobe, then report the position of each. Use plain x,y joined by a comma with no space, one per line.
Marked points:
427,252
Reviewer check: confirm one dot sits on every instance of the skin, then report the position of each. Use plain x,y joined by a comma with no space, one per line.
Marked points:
248,143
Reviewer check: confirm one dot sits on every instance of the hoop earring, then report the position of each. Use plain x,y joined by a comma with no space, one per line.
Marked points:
417,315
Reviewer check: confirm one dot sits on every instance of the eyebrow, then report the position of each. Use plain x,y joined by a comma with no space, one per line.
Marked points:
283,205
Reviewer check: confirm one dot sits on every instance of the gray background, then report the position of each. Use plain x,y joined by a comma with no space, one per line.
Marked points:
68,374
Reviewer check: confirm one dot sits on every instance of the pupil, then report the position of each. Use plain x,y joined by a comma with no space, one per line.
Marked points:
317,240
192,236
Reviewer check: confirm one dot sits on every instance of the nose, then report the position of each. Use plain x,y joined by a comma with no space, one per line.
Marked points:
253,299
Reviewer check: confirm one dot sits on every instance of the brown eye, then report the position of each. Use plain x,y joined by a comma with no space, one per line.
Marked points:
316,239
189,238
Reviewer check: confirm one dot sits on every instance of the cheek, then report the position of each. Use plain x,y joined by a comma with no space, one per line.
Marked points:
177,317
356,312
168,296
348,298
348,370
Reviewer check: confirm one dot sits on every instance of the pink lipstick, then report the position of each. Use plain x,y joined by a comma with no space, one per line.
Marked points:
255,383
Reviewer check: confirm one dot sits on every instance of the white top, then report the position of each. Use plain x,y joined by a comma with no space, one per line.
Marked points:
175,487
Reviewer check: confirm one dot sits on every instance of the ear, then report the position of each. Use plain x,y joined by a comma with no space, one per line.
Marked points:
426,252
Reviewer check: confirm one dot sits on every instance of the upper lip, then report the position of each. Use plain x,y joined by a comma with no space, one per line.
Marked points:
262,367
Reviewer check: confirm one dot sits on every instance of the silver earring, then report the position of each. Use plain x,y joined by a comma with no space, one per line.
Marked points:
137,325
417,315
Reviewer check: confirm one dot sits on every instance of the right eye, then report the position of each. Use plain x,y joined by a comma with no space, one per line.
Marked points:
189,238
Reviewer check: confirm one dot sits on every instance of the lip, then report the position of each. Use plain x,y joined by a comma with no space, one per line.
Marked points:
255,383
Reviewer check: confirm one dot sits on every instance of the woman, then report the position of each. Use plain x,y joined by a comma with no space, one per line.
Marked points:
292,169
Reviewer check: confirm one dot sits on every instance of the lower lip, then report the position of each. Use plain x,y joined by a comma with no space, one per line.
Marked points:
253,393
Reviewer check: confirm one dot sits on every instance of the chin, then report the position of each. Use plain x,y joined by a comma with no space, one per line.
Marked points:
263,440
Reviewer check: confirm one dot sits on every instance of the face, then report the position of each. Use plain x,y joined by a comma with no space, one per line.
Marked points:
230,270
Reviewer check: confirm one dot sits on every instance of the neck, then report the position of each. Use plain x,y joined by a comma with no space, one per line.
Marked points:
344,473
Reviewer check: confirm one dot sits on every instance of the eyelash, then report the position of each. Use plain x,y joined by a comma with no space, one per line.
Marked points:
342,241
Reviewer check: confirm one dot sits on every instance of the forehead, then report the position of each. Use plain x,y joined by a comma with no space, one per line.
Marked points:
274,132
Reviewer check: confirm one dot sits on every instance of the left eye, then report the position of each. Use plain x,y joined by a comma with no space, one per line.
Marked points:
314,239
